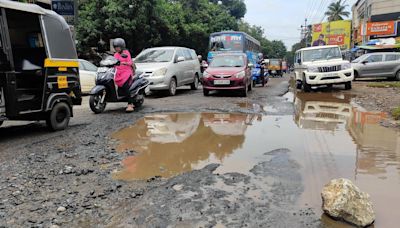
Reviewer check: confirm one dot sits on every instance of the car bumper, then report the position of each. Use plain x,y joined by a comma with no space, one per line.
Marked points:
158,83
236,84
329,77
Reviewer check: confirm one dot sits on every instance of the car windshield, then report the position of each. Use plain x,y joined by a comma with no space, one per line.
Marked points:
228,61
321,54
274,62
155,55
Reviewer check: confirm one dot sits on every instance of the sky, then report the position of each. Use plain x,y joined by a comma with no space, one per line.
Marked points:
281,19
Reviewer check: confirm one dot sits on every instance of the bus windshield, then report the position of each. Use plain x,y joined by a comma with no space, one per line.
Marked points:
226,42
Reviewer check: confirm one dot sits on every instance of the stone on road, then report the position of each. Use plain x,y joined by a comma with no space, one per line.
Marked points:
343,200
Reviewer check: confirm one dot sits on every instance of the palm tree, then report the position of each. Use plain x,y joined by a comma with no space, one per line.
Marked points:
336,11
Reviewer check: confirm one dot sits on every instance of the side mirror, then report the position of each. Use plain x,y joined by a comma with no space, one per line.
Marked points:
299,61
250,65
364,62
180,59
124,56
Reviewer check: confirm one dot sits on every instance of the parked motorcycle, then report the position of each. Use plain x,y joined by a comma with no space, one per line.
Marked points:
260,76
107,91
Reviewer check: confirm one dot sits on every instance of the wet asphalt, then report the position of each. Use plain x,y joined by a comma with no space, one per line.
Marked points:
70,178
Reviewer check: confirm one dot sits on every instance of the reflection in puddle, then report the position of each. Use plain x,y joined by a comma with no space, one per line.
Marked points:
175,143
328,137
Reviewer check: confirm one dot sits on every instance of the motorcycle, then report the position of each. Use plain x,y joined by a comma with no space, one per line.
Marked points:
260,76
107,91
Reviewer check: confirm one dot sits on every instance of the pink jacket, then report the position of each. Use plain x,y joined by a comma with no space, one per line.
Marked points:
124,71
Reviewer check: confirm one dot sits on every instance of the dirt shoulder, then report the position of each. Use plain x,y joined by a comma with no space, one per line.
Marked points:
384,99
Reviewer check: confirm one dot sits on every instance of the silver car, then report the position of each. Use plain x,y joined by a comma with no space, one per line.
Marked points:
379,64
169,67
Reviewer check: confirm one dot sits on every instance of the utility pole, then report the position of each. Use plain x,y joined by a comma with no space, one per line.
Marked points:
304,32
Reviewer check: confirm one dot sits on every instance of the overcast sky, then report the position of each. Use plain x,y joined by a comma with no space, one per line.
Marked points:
281,19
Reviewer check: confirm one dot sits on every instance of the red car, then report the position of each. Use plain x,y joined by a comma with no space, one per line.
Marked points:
230,71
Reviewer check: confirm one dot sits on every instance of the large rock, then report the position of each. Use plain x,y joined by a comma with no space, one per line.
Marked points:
341,199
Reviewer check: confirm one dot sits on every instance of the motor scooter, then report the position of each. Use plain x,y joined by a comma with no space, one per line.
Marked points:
106,91
259,75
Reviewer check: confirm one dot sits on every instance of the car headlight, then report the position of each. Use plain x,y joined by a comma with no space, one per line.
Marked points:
160,72
241,74
312,69
346,66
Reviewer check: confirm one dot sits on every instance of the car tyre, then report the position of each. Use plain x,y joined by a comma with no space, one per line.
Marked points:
1,122
306,86
347,86
398,75
206,92
58,118
195,84
172,87
355,76
243,92
299,85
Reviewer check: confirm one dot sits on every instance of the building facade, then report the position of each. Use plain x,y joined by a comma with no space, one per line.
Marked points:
373,19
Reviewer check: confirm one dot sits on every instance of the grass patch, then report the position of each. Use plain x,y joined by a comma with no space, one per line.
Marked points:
384,84
396,113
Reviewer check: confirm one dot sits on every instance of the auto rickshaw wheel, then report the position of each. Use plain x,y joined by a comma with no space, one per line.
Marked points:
59,117
96,105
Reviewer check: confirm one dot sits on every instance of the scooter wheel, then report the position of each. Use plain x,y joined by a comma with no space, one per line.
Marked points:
96,105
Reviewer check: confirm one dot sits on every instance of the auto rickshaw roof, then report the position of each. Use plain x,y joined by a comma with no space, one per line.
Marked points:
31,8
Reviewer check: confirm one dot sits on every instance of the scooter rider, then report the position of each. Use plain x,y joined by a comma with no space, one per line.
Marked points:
123,78
260,61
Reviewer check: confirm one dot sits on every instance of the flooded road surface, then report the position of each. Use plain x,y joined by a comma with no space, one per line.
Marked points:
327,136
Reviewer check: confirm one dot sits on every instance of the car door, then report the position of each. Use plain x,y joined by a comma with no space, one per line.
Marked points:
392,61
87,73
189,66
179,67
372,66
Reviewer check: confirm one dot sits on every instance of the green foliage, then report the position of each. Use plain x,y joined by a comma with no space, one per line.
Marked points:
396,113
148,23
271,49
337,10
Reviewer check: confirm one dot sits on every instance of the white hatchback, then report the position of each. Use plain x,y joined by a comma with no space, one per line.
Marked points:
87,74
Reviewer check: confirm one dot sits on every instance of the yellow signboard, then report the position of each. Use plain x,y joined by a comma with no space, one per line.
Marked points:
332,33
62,82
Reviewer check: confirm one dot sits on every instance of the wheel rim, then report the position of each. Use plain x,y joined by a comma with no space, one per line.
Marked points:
61,115
173,87
97,101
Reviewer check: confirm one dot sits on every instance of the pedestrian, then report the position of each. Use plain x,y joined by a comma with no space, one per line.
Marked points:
124,75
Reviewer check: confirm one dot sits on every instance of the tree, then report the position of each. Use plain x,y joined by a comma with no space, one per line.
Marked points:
237,8
336,11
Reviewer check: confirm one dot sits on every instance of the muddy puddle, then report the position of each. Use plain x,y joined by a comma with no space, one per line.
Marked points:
327,136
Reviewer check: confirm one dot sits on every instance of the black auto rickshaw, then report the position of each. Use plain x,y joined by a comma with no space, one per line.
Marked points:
39,75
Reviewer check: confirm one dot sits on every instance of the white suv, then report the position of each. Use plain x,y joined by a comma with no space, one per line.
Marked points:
322,65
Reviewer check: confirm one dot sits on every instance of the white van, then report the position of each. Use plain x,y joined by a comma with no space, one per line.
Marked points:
169,67
322,65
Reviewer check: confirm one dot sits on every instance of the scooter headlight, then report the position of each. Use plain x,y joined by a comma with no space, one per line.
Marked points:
160,72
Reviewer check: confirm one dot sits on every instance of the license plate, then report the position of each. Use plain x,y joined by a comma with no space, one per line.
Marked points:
222,82
274,71
102,69
331,75
222,116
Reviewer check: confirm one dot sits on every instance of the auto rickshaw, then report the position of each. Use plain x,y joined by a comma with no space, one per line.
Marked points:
39,75
275,67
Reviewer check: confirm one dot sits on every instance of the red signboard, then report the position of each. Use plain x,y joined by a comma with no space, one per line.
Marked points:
381,28
337,39
317,28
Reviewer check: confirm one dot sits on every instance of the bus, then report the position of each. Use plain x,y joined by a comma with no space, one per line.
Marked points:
232,41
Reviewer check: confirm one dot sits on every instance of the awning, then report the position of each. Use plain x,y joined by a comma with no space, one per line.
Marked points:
379,47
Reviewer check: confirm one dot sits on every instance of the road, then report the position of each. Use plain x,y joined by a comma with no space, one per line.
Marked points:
190,160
